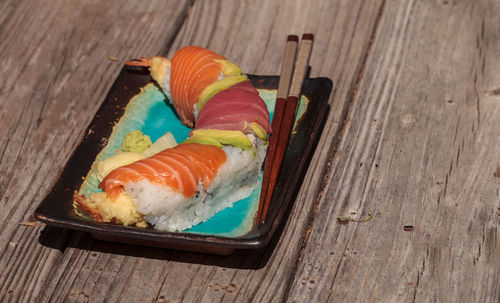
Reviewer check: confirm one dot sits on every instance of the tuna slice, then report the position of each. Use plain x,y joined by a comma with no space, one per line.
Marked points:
234,109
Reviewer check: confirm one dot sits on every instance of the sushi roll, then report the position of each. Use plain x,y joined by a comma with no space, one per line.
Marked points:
218,164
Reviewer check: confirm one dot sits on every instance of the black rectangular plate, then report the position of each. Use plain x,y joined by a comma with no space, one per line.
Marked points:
57,207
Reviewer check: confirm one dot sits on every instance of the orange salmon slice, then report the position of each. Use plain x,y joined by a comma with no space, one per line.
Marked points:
192,69
181,168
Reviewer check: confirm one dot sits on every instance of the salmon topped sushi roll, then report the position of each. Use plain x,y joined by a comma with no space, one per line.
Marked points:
176,188
181,168
192,70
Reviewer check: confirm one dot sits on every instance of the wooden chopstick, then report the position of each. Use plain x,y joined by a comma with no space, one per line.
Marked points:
287,120
279,110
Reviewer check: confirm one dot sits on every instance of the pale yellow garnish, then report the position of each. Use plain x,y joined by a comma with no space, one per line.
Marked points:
121,211
164,142
105,166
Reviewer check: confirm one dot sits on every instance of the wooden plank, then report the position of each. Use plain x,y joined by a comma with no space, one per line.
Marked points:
253,36
420,148
55,75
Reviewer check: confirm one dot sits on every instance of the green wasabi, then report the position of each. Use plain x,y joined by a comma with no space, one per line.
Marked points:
135,141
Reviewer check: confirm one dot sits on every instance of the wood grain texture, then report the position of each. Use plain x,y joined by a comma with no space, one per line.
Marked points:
419,148
245,276
55,75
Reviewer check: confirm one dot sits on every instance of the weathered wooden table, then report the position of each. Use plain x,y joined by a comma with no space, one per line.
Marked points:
413,136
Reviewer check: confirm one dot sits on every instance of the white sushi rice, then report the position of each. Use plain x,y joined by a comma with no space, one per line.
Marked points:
236,179
166,84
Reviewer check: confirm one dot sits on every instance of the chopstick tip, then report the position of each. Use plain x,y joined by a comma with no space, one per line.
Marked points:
308,36
292,38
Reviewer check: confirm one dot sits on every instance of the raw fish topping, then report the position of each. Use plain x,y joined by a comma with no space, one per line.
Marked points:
230,107
193,68
180,168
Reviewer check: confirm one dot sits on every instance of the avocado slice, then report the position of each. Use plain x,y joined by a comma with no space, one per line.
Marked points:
218,86
229,68
225,137
203,140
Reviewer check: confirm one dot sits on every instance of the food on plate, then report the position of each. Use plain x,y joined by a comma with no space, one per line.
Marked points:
235,108
119,159
220,138
173,187
164,142
134,147
121,210
135,141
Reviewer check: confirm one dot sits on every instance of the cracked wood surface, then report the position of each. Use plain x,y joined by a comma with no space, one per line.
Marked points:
412,136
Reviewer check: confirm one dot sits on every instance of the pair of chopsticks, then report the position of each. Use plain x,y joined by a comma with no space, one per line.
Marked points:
292,76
